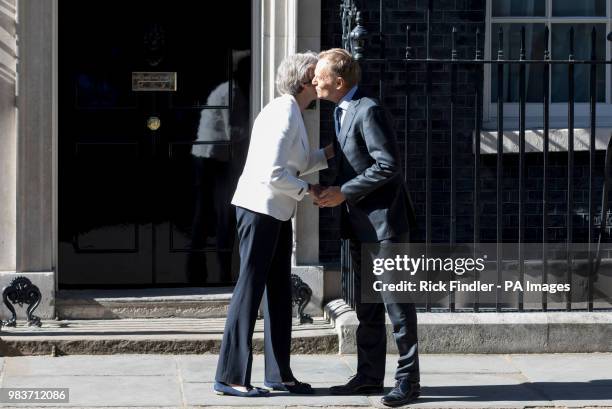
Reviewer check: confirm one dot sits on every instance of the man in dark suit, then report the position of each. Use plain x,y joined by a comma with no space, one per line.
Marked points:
376,209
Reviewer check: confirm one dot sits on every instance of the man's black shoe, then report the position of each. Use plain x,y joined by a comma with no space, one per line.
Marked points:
405,391
358,385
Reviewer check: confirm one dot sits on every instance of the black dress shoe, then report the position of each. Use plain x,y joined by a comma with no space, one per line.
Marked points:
299,388
358,385
405,391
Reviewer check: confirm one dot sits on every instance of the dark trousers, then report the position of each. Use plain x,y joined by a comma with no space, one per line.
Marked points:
371,332
265,268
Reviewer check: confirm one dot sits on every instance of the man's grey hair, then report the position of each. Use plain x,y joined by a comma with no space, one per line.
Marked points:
293,71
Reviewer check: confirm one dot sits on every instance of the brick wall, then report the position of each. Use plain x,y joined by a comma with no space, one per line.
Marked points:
466,16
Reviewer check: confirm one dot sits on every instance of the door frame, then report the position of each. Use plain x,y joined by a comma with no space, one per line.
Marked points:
274,24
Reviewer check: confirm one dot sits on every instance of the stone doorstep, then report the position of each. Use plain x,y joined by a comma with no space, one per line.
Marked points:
149,336
143,303
485,332
182,302
490,332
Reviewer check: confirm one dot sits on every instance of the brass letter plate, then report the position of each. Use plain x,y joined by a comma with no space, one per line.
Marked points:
153,81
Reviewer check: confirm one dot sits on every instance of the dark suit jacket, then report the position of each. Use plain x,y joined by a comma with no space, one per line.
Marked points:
378,205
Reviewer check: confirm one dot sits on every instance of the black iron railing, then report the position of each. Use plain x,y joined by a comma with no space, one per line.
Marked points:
354,39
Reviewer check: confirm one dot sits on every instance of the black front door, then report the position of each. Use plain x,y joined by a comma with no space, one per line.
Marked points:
153,133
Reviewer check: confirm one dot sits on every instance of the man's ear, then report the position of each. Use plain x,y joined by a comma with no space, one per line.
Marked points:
340,83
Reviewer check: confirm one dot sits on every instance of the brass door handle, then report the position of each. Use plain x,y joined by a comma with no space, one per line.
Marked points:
153,123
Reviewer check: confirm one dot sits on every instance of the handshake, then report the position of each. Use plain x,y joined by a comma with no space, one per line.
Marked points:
326,196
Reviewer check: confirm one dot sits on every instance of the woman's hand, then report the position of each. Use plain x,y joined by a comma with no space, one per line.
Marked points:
329,151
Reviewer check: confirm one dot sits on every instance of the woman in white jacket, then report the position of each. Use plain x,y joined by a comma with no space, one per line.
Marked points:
266,198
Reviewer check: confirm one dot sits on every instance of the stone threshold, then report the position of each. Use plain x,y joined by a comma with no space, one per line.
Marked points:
205,302
149,336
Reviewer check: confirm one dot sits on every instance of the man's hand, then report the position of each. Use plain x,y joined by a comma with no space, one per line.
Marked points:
329,151
315,192
331,197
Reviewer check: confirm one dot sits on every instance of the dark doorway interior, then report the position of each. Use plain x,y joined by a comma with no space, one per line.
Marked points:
148,162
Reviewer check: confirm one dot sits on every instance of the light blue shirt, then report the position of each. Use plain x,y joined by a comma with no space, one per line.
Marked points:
345,102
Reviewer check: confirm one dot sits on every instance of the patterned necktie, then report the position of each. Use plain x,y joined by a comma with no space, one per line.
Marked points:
337,117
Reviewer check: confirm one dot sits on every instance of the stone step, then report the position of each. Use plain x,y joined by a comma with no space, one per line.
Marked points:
143,303
490,332
154,336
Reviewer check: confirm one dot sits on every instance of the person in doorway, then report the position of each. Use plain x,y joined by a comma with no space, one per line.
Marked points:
376,209
266,198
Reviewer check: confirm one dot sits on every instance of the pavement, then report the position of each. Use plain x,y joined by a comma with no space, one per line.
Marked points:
185,381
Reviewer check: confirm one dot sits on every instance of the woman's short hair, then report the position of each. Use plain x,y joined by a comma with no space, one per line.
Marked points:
294,71
342,64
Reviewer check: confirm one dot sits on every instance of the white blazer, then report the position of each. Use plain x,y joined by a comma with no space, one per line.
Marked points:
279,154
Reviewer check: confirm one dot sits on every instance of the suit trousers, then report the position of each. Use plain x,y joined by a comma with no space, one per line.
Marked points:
371,331
265,269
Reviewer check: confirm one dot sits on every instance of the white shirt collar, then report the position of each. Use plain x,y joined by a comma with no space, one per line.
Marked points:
346,100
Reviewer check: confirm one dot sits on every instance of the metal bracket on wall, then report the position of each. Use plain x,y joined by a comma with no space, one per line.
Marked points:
21,291
301,294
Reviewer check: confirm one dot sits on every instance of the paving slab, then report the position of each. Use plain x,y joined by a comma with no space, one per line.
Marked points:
308,368
478,390
571,394
197,368
448,381
447,363
569,378
569,367
202,394
149,391
75,365
468,363
320,369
